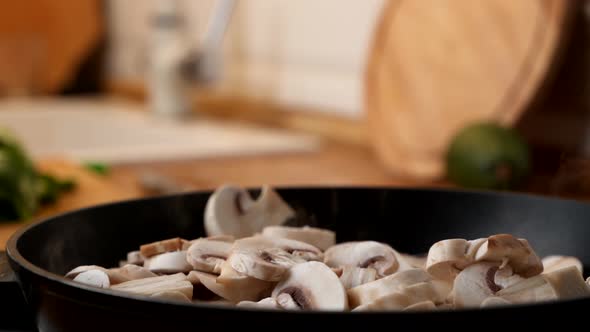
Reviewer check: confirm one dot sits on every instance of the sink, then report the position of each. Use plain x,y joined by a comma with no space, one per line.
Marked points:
119,131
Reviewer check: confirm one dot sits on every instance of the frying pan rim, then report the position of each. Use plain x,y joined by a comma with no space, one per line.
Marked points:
15,255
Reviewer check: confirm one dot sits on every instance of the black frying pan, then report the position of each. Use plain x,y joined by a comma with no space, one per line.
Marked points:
408,219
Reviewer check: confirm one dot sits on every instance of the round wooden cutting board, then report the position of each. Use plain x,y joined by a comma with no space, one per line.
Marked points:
436,66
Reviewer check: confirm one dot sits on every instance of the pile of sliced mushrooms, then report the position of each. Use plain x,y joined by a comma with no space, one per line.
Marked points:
251,259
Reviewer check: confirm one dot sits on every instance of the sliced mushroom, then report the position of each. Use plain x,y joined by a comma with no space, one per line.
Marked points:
294,247
83,268
371,291
553,263
133,272
421,306
312,285
534,289
168,263
96,278
265,264
317,237
415,261
494,301
208,255
231,211
171,296
567,283
150,286
505,277
287,302
353,276
475,284
403,298
447,258
266,303
363,254
233,286
135,257
115,276
160,247
507,249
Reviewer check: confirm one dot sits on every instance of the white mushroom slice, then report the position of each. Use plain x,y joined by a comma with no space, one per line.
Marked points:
505,277
447,258
475,284
294,247
231,211
115,277
265,264
149,286
553,263
416,262
353,276
266,303
312,285
286,301
588,281
567,283
421,306
217,238
494,301
160,247
363,254
135,257
133,272
208,255
96,278
534,289
505,248
317,237
233,286
402,298
171,296
83,268
369,292
168,263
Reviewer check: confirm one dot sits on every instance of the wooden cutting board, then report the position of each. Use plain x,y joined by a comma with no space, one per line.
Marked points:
436,66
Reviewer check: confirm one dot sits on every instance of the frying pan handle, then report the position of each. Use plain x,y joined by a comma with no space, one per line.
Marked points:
14,312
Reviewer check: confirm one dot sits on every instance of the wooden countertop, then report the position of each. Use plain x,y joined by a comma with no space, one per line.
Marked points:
335,164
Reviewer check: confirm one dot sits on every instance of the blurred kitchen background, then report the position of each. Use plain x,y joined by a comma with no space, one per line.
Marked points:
135,98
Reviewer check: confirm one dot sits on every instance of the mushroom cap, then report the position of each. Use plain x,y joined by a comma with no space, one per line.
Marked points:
317,237
505,248
232,211
363,254
168,263
96,278
312,285
371,291
208,255
265,264
475,284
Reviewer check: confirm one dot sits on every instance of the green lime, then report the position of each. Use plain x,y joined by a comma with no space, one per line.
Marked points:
486,155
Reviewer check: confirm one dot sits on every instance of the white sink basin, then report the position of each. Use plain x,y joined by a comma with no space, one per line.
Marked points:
117,131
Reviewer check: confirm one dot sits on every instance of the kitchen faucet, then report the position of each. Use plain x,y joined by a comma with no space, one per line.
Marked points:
174,66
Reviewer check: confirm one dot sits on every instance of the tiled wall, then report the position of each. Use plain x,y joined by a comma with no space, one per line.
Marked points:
307,53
